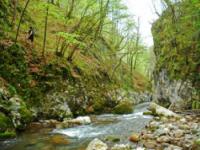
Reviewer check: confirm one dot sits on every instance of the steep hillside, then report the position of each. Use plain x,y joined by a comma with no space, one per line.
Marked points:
74,66
176,37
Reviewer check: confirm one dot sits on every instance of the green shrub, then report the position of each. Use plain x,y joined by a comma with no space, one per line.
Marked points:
7,134
5,122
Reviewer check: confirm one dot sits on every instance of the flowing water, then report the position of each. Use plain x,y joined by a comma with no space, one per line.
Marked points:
103,126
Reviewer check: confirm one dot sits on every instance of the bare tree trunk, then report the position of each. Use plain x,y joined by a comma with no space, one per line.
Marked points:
22,15
14,3
45,30
133,66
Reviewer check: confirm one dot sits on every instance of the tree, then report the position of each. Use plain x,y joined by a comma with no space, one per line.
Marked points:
45,29
14,4
21,17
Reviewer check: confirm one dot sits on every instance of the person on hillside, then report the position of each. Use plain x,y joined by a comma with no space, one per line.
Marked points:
31,34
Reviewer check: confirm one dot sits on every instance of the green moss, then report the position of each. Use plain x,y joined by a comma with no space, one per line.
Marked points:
112,138
5,122
99,105
147,113
7,134
124,107
25,114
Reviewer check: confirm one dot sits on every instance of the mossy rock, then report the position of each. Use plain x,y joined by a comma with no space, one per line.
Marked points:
112,138
25,114
124,107
98,105
26,117
7,135
5,122
147,113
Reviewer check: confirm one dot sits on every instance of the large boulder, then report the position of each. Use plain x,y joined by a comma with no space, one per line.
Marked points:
124,107
56,106
14,111
97,144
161,111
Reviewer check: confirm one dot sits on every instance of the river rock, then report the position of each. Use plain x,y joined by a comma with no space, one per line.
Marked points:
154,125
172,147
57,106
140,148
162,131
134,138
178,133
121,147
161,111
124,107
150,144
80,120
148,136
163,139
97,144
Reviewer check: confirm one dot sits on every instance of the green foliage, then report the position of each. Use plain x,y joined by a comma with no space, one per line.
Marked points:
12,90
13,63
4,12
195,105
5,122
7,135
26,115
71,38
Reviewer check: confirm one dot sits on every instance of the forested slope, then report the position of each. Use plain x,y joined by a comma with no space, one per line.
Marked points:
76,64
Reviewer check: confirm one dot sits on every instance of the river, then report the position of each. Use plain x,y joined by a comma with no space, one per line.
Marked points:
121,126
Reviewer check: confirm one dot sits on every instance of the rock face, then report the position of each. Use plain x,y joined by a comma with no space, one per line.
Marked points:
97,144
173,94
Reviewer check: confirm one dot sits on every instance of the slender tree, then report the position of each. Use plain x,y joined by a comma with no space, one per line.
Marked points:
14,4
45,29
21,17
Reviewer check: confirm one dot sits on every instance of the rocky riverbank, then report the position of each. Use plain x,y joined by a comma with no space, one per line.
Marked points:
164,132
170,133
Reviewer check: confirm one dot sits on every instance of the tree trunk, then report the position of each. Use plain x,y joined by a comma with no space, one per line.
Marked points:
22,15
45,30
14,3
